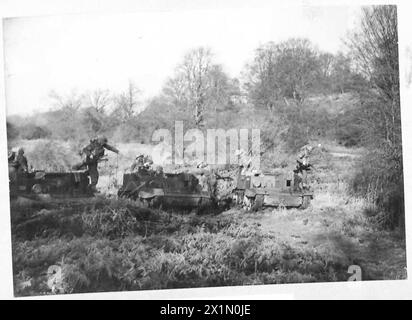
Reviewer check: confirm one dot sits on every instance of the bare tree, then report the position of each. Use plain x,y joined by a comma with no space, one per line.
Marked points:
127,103
298,67
375,50
99,100
341,73
70,103
326,61
261,82
94,113
66,114
285,70
192,83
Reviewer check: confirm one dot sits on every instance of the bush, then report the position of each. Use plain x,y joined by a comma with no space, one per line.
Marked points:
12,131
380,181
32,132
52,155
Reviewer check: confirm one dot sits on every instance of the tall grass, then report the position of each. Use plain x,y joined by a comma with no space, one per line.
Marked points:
118,246
380,182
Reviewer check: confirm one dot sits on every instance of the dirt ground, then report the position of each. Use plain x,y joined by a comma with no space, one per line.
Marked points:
331,229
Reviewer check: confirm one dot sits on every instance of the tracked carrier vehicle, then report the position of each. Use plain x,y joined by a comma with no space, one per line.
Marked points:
39,185
278,189
166,190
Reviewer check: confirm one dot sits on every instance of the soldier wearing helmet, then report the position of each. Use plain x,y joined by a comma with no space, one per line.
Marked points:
303,166
93,153
17,163
22,161
159,171
95,149
141,162
18,160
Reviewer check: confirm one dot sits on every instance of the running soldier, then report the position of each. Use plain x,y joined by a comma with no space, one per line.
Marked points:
93,153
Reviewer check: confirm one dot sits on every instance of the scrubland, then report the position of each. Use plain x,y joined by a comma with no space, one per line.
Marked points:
110,244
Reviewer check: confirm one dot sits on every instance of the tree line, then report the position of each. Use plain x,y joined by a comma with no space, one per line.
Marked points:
199,92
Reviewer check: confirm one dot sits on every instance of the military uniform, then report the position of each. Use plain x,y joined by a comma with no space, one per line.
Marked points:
23,165
93,153
302,166
141,161
159,172
17,164
303,155
18,161
203,182
244,162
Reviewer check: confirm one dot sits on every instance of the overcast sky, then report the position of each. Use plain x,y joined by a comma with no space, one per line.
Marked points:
85,52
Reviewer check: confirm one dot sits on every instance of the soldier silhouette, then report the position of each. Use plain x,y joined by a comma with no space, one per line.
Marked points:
92,154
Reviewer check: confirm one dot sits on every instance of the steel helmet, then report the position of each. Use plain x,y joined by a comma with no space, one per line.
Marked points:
102,139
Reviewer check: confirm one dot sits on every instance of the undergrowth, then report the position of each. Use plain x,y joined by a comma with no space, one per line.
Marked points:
120,246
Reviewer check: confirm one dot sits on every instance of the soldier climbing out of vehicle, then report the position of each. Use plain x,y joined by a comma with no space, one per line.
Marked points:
92,154
141,162
137,163
159,172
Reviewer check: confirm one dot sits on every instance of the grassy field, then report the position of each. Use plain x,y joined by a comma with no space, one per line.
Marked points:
107,244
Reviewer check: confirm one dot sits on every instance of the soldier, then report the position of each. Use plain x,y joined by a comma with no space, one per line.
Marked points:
93,153
12,166
21,160
159,172
138,162
303,166
148,162
17,163
244,162
141,162
203,182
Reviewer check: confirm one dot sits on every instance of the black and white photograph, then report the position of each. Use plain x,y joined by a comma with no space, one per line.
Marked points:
211,147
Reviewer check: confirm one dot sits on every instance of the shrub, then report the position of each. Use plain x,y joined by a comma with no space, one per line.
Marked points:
380,181
33,132
52,155
12,131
